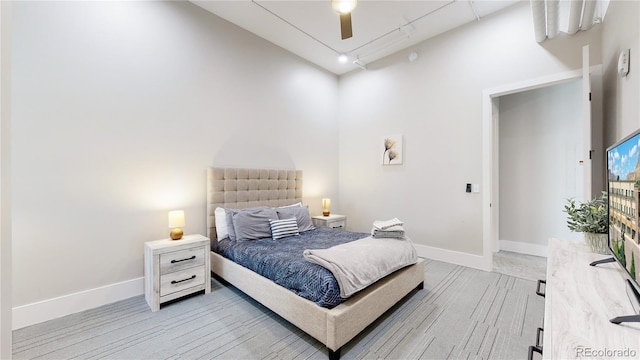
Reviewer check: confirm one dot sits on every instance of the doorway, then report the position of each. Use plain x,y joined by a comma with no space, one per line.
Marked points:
541,163
490,134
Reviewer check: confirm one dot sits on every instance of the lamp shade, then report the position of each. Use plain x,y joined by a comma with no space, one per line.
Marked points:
176,218
326,206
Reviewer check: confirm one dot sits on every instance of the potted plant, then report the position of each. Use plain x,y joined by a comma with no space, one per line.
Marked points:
592,219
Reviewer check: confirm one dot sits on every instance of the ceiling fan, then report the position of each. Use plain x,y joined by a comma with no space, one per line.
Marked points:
344,9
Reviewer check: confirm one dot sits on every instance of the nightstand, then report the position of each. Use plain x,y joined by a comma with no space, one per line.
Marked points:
332,221
175,268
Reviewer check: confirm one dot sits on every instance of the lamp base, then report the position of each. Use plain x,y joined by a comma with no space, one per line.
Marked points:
176,234
325,213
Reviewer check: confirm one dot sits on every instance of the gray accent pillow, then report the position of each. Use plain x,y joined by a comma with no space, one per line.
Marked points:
253,223
229,212
229,216
301,213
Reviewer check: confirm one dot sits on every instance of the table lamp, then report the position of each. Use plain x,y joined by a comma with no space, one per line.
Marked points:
326,206
176,221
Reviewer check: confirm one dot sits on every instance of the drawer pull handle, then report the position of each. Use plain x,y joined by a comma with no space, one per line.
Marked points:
538,292
532,349
183,280
540,330
187,259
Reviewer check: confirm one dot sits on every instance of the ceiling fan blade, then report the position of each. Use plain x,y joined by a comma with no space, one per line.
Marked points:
345,26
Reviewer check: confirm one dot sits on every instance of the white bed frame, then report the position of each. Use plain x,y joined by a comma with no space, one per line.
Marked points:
242,188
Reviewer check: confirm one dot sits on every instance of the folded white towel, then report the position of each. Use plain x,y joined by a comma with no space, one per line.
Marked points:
392,228
389,236
384,224
393,234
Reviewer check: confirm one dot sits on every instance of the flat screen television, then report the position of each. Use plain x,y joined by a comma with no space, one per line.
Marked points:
623,196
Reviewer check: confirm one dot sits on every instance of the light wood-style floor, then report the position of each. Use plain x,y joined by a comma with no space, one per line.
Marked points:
462,313
520,265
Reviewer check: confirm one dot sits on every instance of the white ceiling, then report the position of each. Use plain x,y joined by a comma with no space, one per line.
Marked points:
311,30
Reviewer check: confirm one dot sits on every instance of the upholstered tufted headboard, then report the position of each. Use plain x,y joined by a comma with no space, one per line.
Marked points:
243,188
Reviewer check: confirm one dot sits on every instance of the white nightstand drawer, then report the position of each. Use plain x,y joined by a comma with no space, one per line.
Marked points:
176,268
337,224
181,280
333,221
181,259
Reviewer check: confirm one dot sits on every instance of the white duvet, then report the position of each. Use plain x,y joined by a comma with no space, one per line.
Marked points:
360,263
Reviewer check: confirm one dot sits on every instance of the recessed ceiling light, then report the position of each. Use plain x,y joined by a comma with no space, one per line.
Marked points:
342,58
343,6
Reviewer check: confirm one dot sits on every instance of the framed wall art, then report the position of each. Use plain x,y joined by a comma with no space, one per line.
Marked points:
392,150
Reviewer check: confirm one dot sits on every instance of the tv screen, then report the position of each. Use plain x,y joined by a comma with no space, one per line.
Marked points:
623,191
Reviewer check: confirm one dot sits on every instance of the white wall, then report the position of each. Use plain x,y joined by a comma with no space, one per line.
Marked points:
436,103
621,31
115,123
540,141
118,109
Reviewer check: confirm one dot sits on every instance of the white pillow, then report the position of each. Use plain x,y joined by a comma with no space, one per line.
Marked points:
221,223
283,228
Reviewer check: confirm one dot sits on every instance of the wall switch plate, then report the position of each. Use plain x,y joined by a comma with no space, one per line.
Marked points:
476,188
468,188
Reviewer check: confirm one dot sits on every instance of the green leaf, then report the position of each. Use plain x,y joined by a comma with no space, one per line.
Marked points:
591,216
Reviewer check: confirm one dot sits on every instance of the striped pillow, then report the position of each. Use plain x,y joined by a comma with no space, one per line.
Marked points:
283,228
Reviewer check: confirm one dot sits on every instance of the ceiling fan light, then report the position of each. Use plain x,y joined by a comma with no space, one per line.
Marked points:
343,6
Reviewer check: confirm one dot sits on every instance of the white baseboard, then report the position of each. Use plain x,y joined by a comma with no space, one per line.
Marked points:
38,312
41,311
523,248
454,257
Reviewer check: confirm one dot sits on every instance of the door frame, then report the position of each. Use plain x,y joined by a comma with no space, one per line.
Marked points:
490,153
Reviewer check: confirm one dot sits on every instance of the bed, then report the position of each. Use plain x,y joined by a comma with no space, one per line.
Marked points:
247,188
